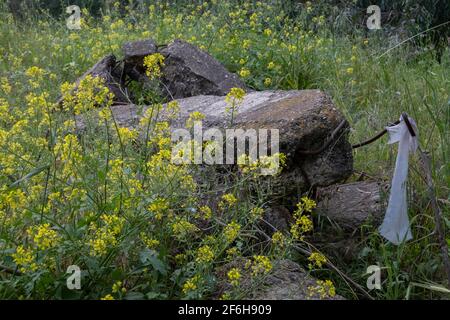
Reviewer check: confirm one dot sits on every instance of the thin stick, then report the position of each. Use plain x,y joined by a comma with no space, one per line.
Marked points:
327,143
410,38
375,138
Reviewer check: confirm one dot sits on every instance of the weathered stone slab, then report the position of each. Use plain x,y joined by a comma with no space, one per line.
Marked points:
305,120
136,51
190,71
134,54
278,217
352,205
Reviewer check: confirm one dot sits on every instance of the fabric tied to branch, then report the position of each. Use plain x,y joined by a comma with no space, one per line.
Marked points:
395,226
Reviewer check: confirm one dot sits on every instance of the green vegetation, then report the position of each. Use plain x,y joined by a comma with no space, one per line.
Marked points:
132,221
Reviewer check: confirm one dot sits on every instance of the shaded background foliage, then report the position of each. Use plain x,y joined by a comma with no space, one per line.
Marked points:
426,13
413,15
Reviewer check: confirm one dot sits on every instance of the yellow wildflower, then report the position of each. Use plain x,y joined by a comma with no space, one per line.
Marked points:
302,225
173,108
117,287
193,117
256,213
272,165
91,92
180,258
278,239
235,95
244,72
228,200
317,259
231,231
153,64
191,284
25,259
105,237
234,276
232,252
205,254
261,265
306,204
43,236
4,84
182,228
206,212
150,243
126,135
34,72
233,99
225,296
325,289
159,207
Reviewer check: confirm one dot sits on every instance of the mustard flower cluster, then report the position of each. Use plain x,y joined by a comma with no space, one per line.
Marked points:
303,223
43,236
316,260
153,63
234,275
104,237
261,265
322,289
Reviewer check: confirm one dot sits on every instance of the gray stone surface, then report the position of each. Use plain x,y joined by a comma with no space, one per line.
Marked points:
137,50
134,54
286,281
190,71
289,281
278,217
304,118
352,205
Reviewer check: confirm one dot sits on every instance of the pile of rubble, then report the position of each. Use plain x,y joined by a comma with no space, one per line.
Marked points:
306,120
187,71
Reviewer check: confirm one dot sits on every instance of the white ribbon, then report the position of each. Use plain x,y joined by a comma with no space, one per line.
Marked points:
395,226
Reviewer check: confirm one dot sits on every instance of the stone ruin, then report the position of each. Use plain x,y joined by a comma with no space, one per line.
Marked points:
306,120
